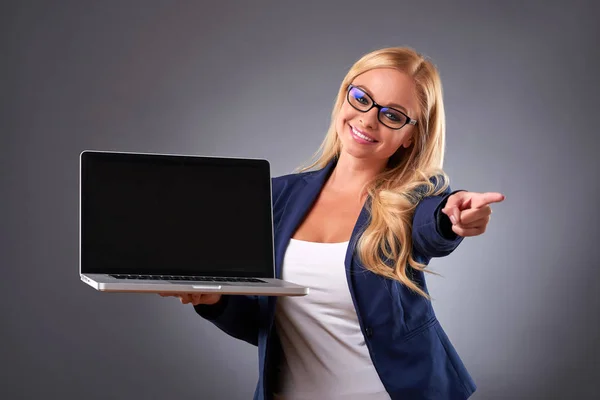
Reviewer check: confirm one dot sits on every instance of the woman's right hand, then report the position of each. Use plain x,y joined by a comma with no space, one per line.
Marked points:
195,298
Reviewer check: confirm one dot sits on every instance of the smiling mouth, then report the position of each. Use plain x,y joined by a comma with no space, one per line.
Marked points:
362,135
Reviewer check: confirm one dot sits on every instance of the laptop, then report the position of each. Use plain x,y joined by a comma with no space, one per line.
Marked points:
169,223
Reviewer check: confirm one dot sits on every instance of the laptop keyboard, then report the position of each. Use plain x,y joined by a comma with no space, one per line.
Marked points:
187,278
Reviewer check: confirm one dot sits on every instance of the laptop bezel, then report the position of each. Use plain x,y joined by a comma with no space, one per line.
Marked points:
268,273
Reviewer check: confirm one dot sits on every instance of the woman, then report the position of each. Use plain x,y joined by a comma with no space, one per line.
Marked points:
359,231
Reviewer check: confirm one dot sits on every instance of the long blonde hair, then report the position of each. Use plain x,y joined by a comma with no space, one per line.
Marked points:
410,175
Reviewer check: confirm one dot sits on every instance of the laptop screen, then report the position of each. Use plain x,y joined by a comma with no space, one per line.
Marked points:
175,215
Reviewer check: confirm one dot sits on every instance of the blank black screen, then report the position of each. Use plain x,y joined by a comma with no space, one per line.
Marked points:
166,214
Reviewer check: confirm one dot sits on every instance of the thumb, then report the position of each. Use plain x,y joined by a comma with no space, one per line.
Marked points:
453,213
457,199
454,204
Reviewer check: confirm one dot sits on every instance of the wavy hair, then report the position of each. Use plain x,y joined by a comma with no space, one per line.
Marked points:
385,245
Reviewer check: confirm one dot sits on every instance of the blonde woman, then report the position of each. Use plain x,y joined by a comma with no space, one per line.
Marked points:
359,226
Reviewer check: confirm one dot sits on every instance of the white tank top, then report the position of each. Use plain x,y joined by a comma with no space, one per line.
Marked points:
325,355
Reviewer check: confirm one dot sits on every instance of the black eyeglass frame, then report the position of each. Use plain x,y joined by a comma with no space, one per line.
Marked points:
409,120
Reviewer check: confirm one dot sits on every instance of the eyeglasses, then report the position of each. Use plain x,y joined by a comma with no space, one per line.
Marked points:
390,117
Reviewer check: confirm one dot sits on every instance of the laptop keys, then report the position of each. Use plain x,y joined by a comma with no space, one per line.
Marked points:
186,278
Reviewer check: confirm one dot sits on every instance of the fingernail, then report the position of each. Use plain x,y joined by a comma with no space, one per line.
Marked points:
453,220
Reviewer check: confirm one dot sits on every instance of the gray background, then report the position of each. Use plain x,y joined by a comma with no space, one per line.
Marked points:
520,303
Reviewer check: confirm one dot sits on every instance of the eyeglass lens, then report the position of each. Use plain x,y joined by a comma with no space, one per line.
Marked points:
390,117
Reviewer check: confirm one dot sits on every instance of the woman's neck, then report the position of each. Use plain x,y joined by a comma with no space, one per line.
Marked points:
351,174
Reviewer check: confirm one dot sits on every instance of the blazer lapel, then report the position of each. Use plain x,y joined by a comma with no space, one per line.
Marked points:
361,223
350,263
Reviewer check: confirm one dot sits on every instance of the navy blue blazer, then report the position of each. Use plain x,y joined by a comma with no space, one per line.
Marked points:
409,349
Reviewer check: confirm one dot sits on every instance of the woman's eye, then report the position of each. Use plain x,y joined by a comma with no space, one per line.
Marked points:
362,99
392,116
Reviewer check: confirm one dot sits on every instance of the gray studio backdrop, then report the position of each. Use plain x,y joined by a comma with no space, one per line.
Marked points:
520,303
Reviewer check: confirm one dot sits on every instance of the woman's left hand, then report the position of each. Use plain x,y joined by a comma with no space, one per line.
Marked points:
470,212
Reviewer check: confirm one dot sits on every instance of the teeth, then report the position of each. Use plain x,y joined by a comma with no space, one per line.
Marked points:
360,135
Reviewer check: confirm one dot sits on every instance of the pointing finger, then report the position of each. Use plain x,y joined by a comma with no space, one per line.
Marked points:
484,199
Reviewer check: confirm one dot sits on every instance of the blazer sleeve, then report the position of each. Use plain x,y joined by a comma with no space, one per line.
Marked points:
432,230
238,315
235,315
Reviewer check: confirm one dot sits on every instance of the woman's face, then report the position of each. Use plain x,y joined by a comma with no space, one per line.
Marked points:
362,134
